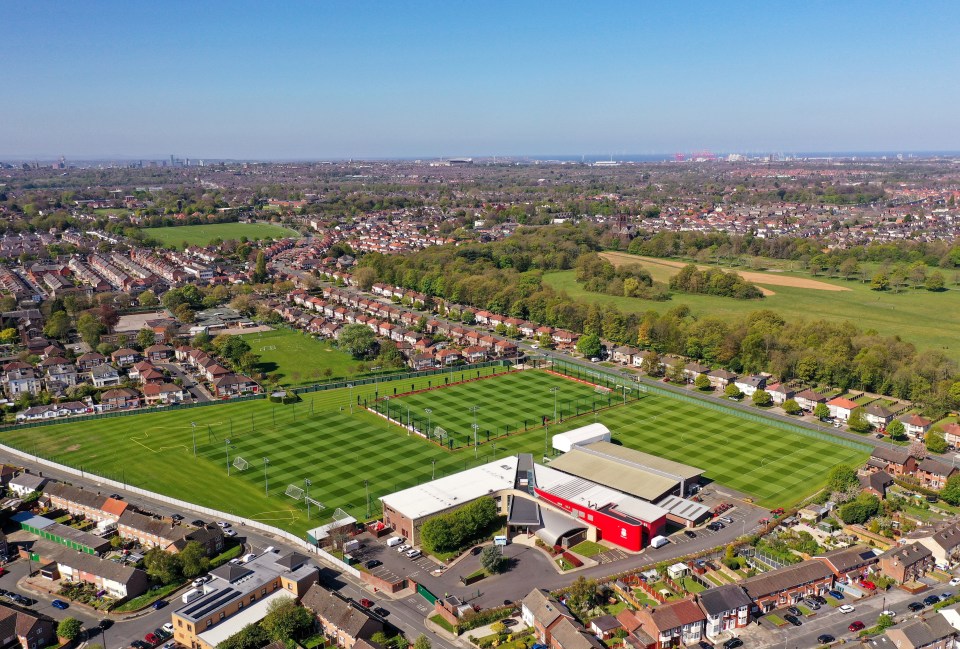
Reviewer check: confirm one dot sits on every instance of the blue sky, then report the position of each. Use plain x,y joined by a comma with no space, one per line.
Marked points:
327,79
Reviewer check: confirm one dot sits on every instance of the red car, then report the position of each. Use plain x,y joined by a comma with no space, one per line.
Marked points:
151,639
366,602
856,626
869,585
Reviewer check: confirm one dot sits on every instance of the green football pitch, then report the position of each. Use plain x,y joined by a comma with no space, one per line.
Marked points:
352,456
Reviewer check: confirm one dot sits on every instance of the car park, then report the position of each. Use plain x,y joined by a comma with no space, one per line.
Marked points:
856,626
792,619
915,607
825,638
59,604
846,608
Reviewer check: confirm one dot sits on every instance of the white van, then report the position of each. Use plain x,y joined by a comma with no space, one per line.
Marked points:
247,558
394,541
659,541
191,595
351,545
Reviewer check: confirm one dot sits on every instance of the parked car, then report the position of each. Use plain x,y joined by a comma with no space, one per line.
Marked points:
889,612
835,594
105,623
812,603
915,607
59,604
856,626
224,524
819,599
413,554
176,517
846,608
229,532
945,596
825,638
793,610
690,534
161,633
727,520
792,619
403,547
930,600
955,581
373,563
198,523
168,627
869,585
733,643
367,603
151,639
382,612
160,603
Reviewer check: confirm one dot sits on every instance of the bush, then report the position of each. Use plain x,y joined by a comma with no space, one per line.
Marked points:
461,527
791,407
572,560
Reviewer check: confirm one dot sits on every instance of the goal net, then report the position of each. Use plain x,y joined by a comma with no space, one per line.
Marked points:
601,390
240,464
440,433
294,491
315,503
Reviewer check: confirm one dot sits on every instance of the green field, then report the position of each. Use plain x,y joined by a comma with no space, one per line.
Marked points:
338,450
928,320
202,235
299,359
507,404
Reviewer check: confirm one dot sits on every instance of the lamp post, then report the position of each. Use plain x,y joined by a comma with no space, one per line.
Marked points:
554,390
194,424
226,449
350,385
433,476
474,410
306,490
429,411
266,483
546,436
366,488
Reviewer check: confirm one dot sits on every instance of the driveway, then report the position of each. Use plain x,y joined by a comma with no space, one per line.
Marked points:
196,390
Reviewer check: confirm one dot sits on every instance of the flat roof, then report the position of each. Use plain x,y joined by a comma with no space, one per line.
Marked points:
460,488
249,615
590,495
323,531
683,508
584,433
626,478
646,460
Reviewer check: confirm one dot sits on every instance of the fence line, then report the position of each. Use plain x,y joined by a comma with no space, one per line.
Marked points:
572,369
368,380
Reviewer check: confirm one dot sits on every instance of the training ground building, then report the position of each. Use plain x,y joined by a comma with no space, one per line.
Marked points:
587,498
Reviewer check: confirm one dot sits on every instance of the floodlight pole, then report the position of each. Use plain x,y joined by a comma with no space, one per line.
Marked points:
194,439
306,489
429,411
554,390
226,449
266,483
350,385
546,437
433,476
474,409
366,488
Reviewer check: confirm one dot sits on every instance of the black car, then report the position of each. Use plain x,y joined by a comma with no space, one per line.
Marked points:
733,643
689,534
792,619
825,638
105,624
819,599
373,563
139,644
793,610
116,496
930,600
382,612
915,607
197,523
176,517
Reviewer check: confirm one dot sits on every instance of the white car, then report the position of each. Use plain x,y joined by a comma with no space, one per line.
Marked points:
889,612
229,532
223,524
846,608
402,548
168,627
955,581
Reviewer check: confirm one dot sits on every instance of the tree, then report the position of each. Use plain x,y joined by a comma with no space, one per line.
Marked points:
286,620
201,340
935,281
896,430
252,636
389,356
364,278
193,560
951,491
492,559
358,340
184,313
884,622
732,391
880,282
859,511
582,594
145,338
90,329
422,642
821,412
935,442
148,299
702,382
69,628
589,345
8,336
58,326
260,271
842,477
791,407
161,565
858,422
762,399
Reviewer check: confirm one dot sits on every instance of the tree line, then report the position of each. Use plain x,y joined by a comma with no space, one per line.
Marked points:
714,281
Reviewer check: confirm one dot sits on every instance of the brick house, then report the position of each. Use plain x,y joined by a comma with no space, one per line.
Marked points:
673,624
342,621
907,562
850,564
789,585
540,610
725,608
933,473
895,461
27,629
81,502
120,399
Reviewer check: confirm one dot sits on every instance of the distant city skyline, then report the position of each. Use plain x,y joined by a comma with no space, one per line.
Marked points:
313,81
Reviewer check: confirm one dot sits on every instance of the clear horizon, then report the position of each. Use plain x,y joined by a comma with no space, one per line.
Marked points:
311,81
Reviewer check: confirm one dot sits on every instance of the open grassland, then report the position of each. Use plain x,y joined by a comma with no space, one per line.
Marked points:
202,235
299,359
320,439
930,320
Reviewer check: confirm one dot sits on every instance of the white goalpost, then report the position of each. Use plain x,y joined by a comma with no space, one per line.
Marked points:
293,491
440,433
240,464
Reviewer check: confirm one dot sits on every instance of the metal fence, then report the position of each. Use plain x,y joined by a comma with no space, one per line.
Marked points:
371,380
650,387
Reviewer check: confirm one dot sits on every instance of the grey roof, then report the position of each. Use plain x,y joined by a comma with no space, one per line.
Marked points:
783,579
162,528
29,481
230,572
92,564
847,559
932,465
606,623
544,607
292,560
878,481
730,597
570,635
341,613
921,633
892,454
524,511
908,554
